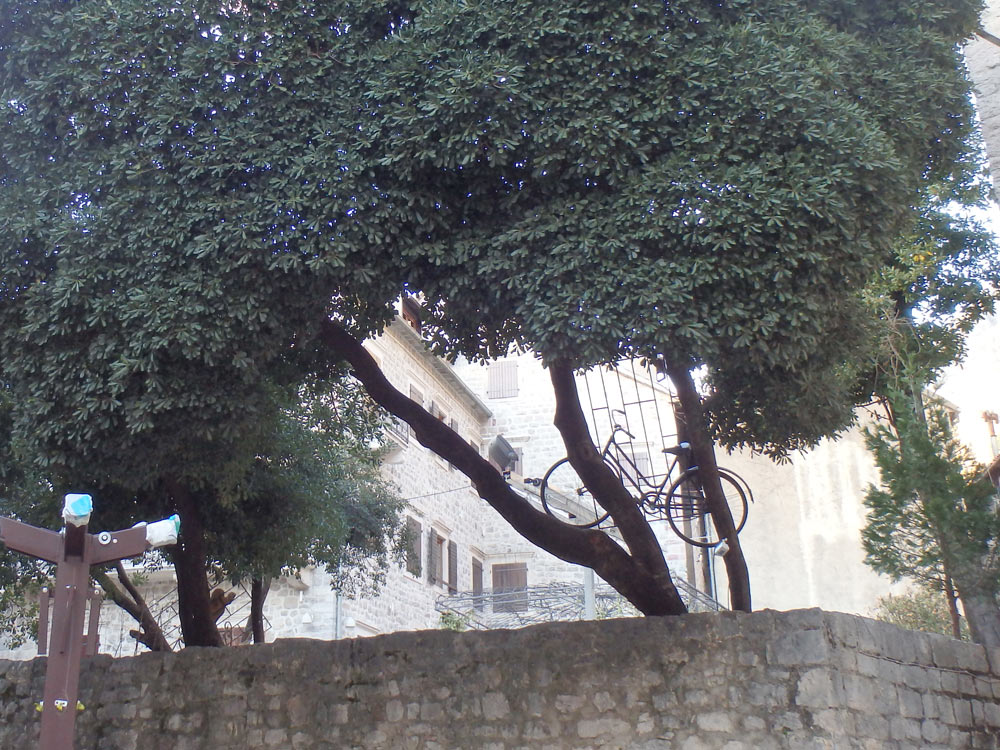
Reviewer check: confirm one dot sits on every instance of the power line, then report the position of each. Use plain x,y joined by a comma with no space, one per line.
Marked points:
434,494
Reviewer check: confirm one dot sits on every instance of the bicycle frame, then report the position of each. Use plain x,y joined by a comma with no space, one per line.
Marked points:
628,470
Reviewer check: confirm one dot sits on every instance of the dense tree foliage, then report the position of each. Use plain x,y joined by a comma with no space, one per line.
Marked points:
189,190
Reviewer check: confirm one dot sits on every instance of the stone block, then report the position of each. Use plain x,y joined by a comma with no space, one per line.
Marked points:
602,727
963,712
859,692
991,714
835,722
495,706
603,701
904,729
911,703
816,689
934,731
799,648
714,721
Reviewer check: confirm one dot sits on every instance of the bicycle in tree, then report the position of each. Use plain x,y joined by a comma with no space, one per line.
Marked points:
678,496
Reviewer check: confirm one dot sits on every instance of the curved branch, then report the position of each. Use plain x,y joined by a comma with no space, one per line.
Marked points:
149,634
589,547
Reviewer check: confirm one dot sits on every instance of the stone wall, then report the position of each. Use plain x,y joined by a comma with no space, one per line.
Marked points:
804,679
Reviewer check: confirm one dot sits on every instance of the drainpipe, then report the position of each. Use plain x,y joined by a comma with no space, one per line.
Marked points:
338,629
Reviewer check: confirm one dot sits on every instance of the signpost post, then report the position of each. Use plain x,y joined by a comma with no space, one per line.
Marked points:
73,551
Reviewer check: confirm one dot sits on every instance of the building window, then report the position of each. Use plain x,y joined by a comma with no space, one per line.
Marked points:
640,472
501,380
398,430
510,587
414,542
437,412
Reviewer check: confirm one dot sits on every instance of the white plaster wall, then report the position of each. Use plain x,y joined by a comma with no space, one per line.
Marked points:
983,60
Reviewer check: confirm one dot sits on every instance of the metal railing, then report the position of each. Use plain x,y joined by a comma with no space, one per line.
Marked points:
551,602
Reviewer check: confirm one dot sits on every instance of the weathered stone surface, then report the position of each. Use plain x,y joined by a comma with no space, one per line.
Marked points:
771,681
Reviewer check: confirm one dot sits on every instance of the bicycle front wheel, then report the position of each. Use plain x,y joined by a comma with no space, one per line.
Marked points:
687,508
564,496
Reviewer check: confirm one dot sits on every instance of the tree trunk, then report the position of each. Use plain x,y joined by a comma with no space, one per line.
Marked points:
650,590
952,598
193,592
982,614
703,452
258,593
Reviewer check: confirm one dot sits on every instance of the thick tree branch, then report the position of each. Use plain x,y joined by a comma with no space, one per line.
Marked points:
703,452
589,547
149,633
606,487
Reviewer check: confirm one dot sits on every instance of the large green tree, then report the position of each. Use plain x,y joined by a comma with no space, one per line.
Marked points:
200,197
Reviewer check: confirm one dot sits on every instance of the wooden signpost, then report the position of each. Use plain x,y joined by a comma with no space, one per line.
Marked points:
73,551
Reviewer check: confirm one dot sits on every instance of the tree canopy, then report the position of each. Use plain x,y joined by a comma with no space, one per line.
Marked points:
189,190
187,186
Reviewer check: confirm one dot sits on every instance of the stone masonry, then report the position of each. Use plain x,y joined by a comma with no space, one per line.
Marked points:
802,679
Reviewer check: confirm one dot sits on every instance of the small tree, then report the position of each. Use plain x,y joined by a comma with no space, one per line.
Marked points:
924,609
311,495
935,516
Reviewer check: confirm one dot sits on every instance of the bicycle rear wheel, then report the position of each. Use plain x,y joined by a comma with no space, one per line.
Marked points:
687,511
564,496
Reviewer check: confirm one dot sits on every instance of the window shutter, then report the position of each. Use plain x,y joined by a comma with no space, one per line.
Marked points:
433,557
510,581
477,576
418,398
477,582
452,568
453,424
501,380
